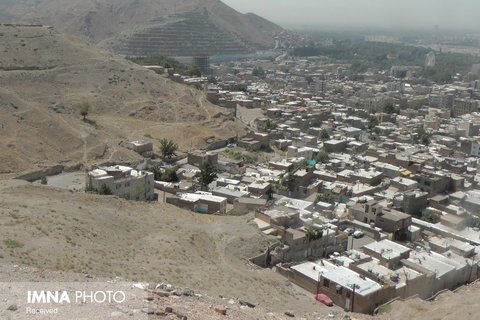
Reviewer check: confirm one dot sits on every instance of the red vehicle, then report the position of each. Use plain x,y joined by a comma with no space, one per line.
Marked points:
324,299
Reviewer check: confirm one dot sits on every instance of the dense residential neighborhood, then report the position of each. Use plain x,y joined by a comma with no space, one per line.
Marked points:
370,188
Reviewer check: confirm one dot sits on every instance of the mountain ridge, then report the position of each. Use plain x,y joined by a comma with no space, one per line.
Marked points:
104,22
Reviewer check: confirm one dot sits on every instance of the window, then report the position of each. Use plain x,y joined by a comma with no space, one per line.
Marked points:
339,290
326,283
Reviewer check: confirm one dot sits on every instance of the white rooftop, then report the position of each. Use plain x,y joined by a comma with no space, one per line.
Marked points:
387,249
430,261
98,173
313,270
192,197
348,279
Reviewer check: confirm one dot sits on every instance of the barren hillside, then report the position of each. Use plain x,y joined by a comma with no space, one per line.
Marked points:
53,229
45,79
115,22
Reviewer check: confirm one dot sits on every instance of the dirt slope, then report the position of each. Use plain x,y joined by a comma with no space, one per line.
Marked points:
53,229
45,78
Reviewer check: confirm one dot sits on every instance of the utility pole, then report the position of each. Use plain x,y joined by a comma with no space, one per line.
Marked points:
353,296
318,283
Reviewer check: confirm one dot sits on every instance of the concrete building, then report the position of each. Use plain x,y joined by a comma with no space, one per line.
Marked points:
259,188
433,183
403,282
123,182
143,148
199,158
335,145
394,222
465,106
411,202
201,202
230,193
351,291
389,253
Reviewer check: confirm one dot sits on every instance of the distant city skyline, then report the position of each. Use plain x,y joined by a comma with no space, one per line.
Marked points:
460,14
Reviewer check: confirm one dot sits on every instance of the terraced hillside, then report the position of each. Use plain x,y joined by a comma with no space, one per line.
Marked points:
186,34
150,26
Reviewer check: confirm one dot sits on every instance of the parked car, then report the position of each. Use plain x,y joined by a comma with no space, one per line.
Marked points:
349,231
358,234
323,298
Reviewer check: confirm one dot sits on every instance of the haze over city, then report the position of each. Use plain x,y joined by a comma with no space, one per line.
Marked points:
461,14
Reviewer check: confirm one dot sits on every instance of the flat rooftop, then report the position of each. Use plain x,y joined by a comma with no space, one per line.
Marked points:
192,197
387,249
313,270
374,268
348,279
430,262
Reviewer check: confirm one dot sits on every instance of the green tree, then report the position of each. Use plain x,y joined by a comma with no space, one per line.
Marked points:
168,148
421,136
321,157
169,175
373,122
325,197
104,190
206,175
270,192
84,110
430,216
157,173
313,233
194,71
269,125
324,135
472,222
289,182
212,80
389,108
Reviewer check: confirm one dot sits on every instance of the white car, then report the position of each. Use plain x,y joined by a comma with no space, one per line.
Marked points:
358,234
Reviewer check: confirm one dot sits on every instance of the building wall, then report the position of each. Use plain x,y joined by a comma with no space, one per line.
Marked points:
343,297
300,249
198,159
139,188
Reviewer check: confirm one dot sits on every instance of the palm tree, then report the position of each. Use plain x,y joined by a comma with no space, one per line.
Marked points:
168,148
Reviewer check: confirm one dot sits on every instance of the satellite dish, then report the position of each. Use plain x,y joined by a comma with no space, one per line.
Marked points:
430,60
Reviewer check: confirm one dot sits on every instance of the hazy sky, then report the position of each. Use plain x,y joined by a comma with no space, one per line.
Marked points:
456,14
